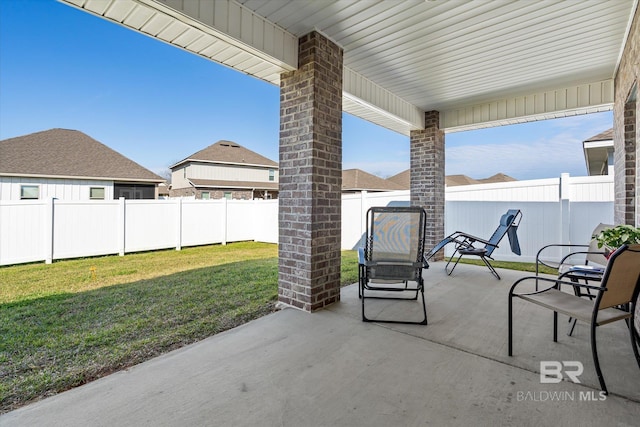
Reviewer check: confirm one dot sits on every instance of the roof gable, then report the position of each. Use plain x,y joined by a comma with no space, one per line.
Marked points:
403,179
231,153
68,153
356,180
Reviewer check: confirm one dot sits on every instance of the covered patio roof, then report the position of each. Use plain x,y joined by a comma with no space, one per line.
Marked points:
482,63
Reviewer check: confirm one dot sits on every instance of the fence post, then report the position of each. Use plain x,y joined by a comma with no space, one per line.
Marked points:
49,230
363,211
225,203
122,220
565,213
179,225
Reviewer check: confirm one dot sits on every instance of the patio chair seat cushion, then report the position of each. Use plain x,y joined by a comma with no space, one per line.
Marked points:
573,306
473,251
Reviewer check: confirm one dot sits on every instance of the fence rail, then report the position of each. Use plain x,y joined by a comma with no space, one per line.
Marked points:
45,230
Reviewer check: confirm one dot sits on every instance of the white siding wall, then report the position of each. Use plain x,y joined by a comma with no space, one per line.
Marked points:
178,179
63,189
230,173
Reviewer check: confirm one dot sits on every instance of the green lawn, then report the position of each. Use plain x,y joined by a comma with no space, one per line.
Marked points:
73,321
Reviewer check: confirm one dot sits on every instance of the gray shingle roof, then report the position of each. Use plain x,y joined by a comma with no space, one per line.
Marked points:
499,177
357,180
231,153
403,179
604,136
68,153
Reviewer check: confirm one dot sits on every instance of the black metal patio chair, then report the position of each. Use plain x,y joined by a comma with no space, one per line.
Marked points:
467,244
391,262
615,300
585,265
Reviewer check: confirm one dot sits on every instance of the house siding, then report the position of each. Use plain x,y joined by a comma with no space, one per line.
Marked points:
63,189
230,172
181,187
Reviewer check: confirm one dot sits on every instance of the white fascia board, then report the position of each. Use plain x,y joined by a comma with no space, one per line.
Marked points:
219,30
370,101
236,25
563,102
598,144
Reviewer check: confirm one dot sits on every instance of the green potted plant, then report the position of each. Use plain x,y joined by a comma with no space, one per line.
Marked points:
612,238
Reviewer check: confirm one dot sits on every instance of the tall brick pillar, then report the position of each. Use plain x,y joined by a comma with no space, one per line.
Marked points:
310,212
427,176
626,130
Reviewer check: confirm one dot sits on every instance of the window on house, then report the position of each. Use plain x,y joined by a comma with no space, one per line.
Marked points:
96,193
29,192
134,191
227,195
272,175
206,195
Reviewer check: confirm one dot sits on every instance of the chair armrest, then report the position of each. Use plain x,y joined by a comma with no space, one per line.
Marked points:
361,255
554,245
556,285
469,238
562,261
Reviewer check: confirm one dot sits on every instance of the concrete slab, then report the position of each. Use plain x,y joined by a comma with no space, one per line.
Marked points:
468,312
329,368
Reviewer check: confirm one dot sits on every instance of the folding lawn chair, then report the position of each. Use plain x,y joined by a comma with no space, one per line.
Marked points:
392,259
466,244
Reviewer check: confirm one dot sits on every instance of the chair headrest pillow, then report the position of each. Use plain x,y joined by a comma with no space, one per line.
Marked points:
506,219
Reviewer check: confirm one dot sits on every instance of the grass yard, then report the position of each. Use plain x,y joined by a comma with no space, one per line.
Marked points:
71,322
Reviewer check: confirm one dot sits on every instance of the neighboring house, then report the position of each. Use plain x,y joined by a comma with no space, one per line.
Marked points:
356,180
452,180
70,165
225,170
598,153
163,190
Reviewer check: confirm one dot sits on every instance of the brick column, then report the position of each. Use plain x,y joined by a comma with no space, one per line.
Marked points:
427,176
310,197
626,130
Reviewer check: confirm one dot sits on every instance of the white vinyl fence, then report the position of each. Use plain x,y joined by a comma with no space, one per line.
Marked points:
44,230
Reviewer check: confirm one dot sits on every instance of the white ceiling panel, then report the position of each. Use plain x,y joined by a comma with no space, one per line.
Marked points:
432,55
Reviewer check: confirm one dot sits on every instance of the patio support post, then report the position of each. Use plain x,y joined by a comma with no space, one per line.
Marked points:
626,130
427,176
310,199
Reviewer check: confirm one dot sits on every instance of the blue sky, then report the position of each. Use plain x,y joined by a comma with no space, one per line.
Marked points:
156,104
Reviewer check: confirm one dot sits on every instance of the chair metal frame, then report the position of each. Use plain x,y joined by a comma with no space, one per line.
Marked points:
613,302
392,276
464,243
586,265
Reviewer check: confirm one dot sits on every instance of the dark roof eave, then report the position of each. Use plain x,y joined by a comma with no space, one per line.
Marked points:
93,178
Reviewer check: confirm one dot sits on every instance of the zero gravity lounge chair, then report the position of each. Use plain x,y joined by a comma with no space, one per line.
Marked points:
466,244
391,262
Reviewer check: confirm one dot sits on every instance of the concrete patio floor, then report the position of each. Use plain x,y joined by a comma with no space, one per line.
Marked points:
330,369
